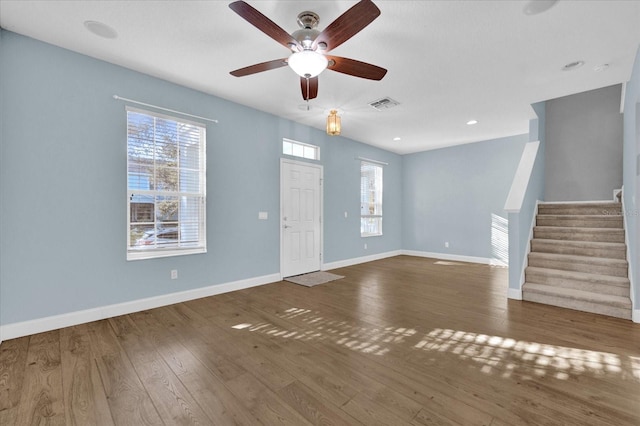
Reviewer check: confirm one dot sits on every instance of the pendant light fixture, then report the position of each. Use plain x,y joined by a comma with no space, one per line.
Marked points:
333,123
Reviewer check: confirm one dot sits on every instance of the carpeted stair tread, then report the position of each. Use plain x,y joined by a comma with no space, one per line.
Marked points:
620,301
579,233
580,276
611,250
580,221
616,306
590,260
604,284
599,208
594,265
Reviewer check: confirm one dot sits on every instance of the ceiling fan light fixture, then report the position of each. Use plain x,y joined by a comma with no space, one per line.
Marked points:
308,63
333,123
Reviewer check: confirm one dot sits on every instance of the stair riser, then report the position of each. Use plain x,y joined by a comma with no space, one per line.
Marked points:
542,246
597,209
614,270
594,287
613,236
609,222
563,302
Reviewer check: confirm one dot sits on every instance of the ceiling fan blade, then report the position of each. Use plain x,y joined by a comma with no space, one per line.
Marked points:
355,68
264,24
264,66
347,25
309,87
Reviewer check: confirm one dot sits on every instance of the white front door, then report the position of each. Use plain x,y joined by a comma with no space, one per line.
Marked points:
300,217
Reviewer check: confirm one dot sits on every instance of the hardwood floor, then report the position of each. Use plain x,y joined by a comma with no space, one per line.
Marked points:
400,341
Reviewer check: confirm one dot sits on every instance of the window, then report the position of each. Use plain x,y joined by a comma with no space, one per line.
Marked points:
299,149
165,186
370,199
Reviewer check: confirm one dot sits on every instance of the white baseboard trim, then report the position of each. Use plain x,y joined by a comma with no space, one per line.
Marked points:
454,257
40,325
635,315
514,293
358,260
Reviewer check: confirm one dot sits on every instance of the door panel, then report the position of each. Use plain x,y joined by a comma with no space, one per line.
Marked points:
300,218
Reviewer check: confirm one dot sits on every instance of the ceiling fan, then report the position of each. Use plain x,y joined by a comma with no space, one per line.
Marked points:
309,46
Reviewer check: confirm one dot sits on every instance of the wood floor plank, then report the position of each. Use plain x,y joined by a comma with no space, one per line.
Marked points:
269,408
172,400
402,340
13,359
84,397
129,402
42,400
205,387
318,413
368,412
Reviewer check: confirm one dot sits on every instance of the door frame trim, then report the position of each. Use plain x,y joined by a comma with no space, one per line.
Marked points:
321,206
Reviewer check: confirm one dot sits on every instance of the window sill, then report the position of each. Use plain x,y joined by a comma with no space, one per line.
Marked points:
143,254
370,235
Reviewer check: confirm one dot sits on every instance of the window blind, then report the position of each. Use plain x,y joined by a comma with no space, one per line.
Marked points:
165,185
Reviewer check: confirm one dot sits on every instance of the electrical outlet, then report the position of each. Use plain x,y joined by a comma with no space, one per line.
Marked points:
446,244
174,274
346,215
365,246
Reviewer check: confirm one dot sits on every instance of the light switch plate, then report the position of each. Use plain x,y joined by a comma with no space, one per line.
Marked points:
263,215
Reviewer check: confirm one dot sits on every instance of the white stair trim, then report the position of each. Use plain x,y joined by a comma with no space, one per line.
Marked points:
632,288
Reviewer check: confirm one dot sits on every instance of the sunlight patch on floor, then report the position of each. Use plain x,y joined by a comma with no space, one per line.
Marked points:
494,355
375,341
500,355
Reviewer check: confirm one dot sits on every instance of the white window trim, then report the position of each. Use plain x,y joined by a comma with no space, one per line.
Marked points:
141,254
293,142
380,216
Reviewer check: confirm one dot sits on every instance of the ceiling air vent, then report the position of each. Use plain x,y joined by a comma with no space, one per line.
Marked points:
383,104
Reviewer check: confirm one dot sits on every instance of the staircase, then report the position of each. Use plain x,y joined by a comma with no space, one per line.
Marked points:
578,259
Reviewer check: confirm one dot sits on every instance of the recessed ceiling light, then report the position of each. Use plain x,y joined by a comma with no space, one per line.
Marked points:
472,122
534,7
600,68
397,138
100,29
573,65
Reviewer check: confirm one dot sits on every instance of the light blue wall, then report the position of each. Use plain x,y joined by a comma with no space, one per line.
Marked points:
631,170
343,185
63,186
450,195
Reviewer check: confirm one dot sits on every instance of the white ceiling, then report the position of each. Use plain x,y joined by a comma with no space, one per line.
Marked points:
448,61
